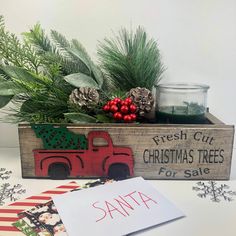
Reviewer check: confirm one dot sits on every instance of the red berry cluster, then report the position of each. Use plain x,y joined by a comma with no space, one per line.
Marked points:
121,109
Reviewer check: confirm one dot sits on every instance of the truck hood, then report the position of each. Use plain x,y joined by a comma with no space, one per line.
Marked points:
122,151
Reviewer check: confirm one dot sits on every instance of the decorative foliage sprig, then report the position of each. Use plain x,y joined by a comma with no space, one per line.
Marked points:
131,59
48,78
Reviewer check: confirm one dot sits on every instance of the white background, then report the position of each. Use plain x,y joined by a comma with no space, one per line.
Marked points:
197,39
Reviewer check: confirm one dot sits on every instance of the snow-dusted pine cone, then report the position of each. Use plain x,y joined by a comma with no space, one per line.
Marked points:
84,96
143,99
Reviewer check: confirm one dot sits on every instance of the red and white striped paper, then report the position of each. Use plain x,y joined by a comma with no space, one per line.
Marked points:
8,214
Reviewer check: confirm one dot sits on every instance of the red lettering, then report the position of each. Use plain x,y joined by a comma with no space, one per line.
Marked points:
101,210
121,205
129,195
111,208
124,203
147,199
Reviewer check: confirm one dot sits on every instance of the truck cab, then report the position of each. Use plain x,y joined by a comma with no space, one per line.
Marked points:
101,159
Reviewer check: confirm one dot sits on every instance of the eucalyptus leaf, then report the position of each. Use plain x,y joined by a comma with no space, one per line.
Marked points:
79,51
2,79
4,100
22,74
80,118
81,80
97,74
80,55
103,118
8,88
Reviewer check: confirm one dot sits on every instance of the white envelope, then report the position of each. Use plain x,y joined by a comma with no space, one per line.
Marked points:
114,209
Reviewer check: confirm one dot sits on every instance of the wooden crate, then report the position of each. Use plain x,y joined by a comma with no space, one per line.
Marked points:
160,151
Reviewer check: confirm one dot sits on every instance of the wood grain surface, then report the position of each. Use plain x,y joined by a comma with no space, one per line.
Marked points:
160,151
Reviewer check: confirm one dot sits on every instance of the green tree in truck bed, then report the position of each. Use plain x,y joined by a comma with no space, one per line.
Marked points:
59,137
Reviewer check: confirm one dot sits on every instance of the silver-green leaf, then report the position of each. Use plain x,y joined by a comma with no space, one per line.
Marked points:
81,55
81,80
22,74
8,88
97,74
4,100
80,118
79,51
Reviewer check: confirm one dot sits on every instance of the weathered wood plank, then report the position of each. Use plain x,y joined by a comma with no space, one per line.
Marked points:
213,119
160,151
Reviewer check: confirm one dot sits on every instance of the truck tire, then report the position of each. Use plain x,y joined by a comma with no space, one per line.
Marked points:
58,171
118,171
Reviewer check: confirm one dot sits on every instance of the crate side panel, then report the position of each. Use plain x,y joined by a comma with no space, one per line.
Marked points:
159,152
28,142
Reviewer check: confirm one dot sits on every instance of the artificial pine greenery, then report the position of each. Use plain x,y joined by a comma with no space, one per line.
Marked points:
13,52
131,60
38,73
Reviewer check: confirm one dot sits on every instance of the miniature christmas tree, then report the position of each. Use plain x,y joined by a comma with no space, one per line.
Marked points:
59,138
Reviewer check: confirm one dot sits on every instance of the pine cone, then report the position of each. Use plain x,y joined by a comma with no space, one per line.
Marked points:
84,96
143,99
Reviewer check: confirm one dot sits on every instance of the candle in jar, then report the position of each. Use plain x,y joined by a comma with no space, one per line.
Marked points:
181,103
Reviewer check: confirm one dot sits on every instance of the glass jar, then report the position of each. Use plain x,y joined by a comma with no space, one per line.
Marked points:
181,103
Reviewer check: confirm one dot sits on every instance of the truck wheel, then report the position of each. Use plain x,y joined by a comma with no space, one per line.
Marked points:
58,171
118,171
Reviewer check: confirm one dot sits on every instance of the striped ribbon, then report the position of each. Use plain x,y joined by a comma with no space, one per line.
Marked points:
8,214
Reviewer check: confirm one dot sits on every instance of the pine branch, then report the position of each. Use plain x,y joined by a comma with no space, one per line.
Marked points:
52,62
61,57
69,63
53,52
61,44
38,39
32,74
2,24
12,52
40,99
131,59
48,52
42,107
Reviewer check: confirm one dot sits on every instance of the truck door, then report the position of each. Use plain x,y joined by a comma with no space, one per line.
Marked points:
101,148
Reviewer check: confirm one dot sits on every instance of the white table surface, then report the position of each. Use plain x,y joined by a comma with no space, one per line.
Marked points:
203,216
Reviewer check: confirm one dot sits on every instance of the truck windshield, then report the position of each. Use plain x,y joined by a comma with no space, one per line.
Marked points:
100,142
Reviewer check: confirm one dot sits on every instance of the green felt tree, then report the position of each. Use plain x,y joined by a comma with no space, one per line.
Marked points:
59,137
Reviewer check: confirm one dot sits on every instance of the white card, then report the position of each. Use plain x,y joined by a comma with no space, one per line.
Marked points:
114,209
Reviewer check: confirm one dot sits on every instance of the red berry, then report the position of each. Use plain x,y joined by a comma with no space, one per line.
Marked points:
124,103
112,102
117,116
128,100
117,100
124,109
127,118
133,116
132,108
114,108
106,108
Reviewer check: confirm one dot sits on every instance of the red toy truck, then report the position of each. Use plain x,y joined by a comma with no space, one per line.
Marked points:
100,159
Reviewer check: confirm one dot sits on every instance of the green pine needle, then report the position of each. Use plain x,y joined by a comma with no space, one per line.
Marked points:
131,60
13,52
33,72
38,39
